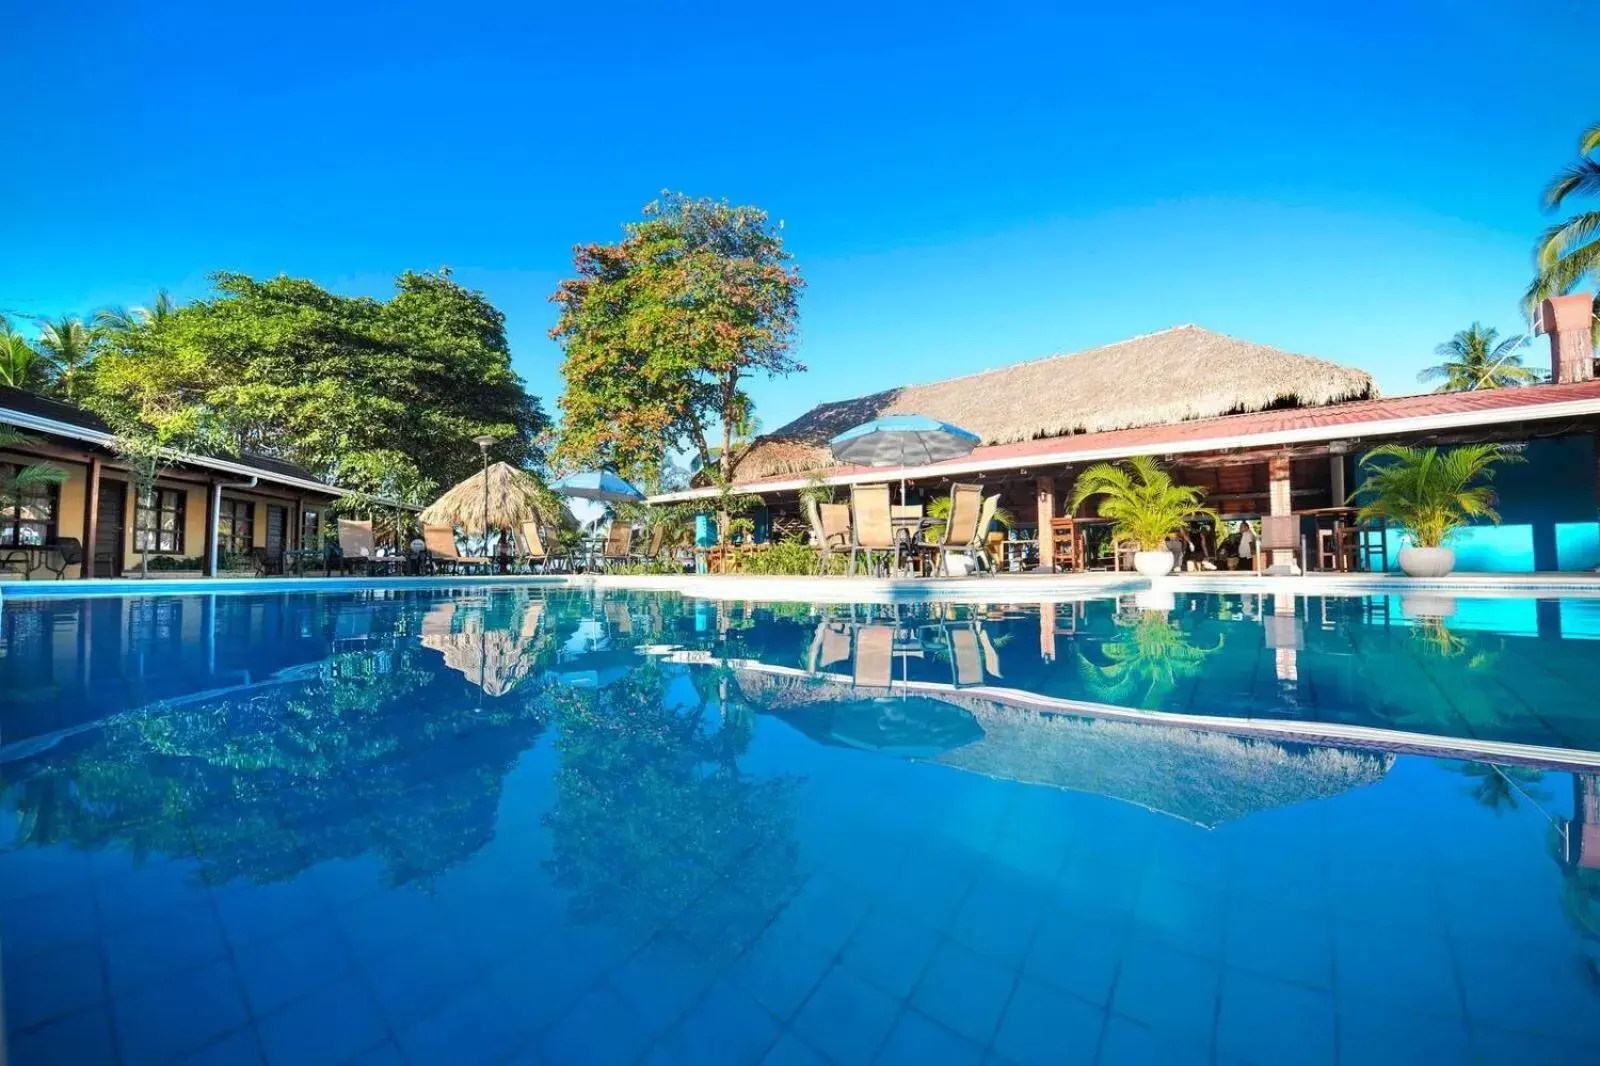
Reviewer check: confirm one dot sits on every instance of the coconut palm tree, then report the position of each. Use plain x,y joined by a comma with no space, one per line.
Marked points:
22,366
1429,493
72,346
1143,502
1476,358
1569,251
118,319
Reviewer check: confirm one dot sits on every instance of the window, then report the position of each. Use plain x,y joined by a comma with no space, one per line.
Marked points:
158,521
310,530
236,526
28,516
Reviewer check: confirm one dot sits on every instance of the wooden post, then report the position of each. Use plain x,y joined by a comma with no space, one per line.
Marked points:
1046,495
91,518
213,511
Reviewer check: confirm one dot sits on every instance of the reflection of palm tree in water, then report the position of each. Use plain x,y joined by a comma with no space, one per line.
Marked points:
1502,788
1148,658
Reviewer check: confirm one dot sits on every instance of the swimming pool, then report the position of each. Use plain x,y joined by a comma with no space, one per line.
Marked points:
524,825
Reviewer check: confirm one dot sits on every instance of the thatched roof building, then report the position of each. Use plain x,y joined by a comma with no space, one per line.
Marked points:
1202,777
1175,375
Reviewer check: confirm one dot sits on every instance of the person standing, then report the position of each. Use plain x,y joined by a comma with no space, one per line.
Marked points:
1247,546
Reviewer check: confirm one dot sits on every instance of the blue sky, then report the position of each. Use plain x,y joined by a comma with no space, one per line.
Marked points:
962,187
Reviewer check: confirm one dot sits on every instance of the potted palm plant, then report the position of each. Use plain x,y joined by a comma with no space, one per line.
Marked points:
1145,506
1429,493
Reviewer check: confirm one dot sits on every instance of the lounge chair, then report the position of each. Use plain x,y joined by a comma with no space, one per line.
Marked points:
871,530
618,550
357,545
441,542
961,528
980,538
533,547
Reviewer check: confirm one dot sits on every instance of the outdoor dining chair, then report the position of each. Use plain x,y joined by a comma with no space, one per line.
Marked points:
830,530
871,528
618,550
69,552
441,543
961,529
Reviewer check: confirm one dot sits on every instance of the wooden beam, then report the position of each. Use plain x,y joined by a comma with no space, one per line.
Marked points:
91,516
1045,494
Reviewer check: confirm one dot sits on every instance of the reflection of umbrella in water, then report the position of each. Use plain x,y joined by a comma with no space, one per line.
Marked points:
908,726
495,660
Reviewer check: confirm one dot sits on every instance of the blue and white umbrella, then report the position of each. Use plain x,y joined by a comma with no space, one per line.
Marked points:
903,440
600,485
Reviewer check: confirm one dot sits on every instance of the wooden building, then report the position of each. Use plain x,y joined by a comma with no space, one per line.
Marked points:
206,512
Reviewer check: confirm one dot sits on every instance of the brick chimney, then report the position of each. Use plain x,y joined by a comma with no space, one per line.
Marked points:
1568,320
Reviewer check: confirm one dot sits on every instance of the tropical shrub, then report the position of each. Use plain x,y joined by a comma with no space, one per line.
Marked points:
1143,502
1429,493
790,557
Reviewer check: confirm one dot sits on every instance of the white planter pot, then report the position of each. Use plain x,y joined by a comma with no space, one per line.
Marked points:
1427,562
1427,605
1155,599
1153,564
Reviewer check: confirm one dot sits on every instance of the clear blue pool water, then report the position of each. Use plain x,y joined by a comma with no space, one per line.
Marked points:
527,826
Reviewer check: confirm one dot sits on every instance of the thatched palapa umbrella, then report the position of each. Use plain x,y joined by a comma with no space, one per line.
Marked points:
514,496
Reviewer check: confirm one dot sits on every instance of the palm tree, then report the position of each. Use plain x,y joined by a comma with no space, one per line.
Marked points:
1143,502
15,480
1569,251
118,319
22,366
72,346
1474,360
1431,492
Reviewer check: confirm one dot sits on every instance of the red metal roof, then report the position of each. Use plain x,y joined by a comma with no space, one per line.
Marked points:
1333,420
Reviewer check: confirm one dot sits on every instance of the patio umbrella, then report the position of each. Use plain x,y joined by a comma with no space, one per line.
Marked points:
601,485
514,496
902,440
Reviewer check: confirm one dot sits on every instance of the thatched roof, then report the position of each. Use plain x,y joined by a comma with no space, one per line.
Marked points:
515,496
1172,376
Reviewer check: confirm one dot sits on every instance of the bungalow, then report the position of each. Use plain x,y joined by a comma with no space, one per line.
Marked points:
1267,433
206,513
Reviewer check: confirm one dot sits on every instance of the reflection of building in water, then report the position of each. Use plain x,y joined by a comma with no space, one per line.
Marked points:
1582,833
1201,777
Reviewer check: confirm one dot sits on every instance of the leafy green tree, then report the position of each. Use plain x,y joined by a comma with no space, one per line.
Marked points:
664,329
1476,358
1143,502
1429,493
1569,251
382,396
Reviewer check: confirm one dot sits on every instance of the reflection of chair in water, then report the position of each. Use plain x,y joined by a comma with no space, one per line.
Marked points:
619,620
874,656
830,645
971,654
